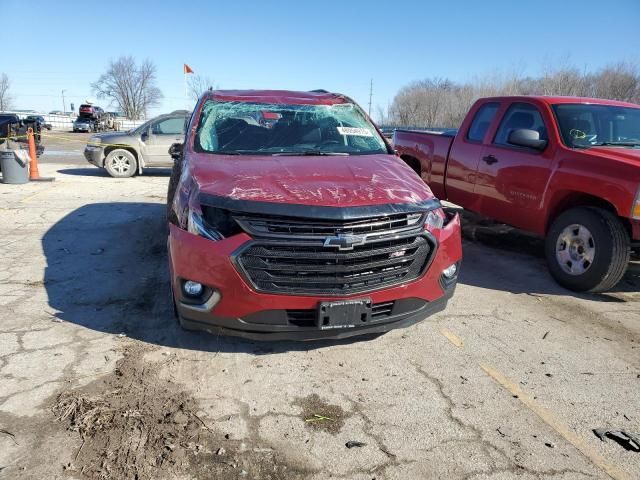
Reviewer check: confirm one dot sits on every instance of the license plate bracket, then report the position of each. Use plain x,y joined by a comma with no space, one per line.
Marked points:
344,313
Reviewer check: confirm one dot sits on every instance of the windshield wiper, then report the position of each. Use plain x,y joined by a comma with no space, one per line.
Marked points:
225,152
310,153
616,144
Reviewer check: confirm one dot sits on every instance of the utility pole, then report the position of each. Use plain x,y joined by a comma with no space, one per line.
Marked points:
370,95
64,105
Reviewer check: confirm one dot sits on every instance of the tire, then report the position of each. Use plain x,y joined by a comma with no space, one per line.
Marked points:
587,249
121,163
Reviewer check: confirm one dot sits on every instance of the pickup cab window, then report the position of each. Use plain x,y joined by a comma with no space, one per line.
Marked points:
584,125
279,129
481,122
520,115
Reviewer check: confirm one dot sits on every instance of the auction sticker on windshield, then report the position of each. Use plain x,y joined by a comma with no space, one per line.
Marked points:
358,132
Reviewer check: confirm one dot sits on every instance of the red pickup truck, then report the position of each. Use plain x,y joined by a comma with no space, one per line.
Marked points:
291,218
564,168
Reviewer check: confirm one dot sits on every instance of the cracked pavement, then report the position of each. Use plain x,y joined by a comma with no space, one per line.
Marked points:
83,278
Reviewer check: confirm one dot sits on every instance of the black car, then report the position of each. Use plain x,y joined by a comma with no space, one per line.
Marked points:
39,119
9,122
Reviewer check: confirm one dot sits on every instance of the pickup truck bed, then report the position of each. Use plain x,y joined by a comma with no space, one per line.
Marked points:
427,154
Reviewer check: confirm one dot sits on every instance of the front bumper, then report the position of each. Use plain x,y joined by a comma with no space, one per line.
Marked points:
94,155
242,311
193,319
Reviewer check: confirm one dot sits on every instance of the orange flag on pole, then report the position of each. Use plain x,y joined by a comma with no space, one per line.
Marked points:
187,69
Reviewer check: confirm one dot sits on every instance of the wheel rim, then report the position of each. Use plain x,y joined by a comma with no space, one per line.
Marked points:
121,164
575,249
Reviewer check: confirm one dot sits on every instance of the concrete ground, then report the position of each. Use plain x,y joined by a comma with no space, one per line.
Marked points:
97,381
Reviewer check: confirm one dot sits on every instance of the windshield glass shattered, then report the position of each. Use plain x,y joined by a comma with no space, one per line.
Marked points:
277,129
589,125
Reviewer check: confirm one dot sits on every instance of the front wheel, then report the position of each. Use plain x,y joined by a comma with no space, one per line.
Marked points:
121,163
587,249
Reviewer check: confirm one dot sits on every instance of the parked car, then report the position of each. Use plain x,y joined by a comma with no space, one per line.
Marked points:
83,124
14,129
10,123
561,167
38,119
9,118
88,110
123,154
306,227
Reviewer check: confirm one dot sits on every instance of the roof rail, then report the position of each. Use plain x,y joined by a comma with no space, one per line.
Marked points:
319,90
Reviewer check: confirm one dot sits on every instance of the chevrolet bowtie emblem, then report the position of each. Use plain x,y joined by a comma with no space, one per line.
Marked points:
343,241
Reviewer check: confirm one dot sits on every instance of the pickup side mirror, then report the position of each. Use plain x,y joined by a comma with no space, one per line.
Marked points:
175,150
525,137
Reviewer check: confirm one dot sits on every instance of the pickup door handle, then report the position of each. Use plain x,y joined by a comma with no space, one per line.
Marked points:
489,159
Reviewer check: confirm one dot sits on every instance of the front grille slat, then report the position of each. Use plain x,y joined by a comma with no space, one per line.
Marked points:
284,226
288,255
262,263
328,278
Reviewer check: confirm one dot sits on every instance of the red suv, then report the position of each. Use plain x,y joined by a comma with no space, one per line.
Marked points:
307,226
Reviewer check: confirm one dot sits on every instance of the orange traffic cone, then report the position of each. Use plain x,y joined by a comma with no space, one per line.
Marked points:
34,173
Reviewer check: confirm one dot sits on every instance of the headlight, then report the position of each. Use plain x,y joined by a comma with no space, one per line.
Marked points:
635,208
94,141
435,219
198,226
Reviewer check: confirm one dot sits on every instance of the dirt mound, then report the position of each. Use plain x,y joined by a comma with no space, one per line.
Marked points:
132,425
135,424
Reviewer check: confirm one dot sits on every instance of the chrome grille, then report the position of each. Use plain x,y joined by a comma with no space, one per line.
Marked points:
290,256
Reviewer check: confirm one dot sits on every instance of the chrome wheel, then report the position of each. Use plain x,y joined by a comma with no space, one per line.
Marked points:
575,249
121,164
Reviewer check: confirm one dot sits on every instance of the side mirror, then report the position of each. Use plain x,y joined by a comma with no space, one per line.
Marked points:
175,151
525,137
144,135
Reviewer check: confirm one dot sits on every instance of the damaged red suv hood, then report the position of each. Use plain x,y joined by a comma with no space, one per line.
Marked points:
354,180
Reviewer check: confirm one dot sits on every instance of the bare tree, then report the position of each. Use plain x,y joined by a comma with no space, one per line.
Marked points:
438,102
197,85
130,87
620,81
6,100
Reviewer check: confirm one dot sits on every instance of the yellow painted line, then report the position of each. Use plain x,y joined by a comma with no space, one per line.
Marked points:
563,430
454,339
28,198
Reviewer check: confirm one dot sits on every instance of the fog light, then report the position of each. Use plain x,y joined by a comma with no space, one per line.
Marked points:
192,289
450,271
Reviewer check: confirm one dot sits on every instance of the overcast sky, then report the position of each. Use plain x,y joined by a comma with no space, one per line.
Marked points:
299,45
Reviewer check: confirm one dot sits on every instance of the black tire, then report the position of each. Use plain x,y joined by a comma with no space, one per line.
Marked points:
606,251
121,163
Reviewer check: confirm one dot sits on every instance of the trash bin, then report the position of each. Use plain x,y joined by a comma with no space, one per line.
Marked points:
14,170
